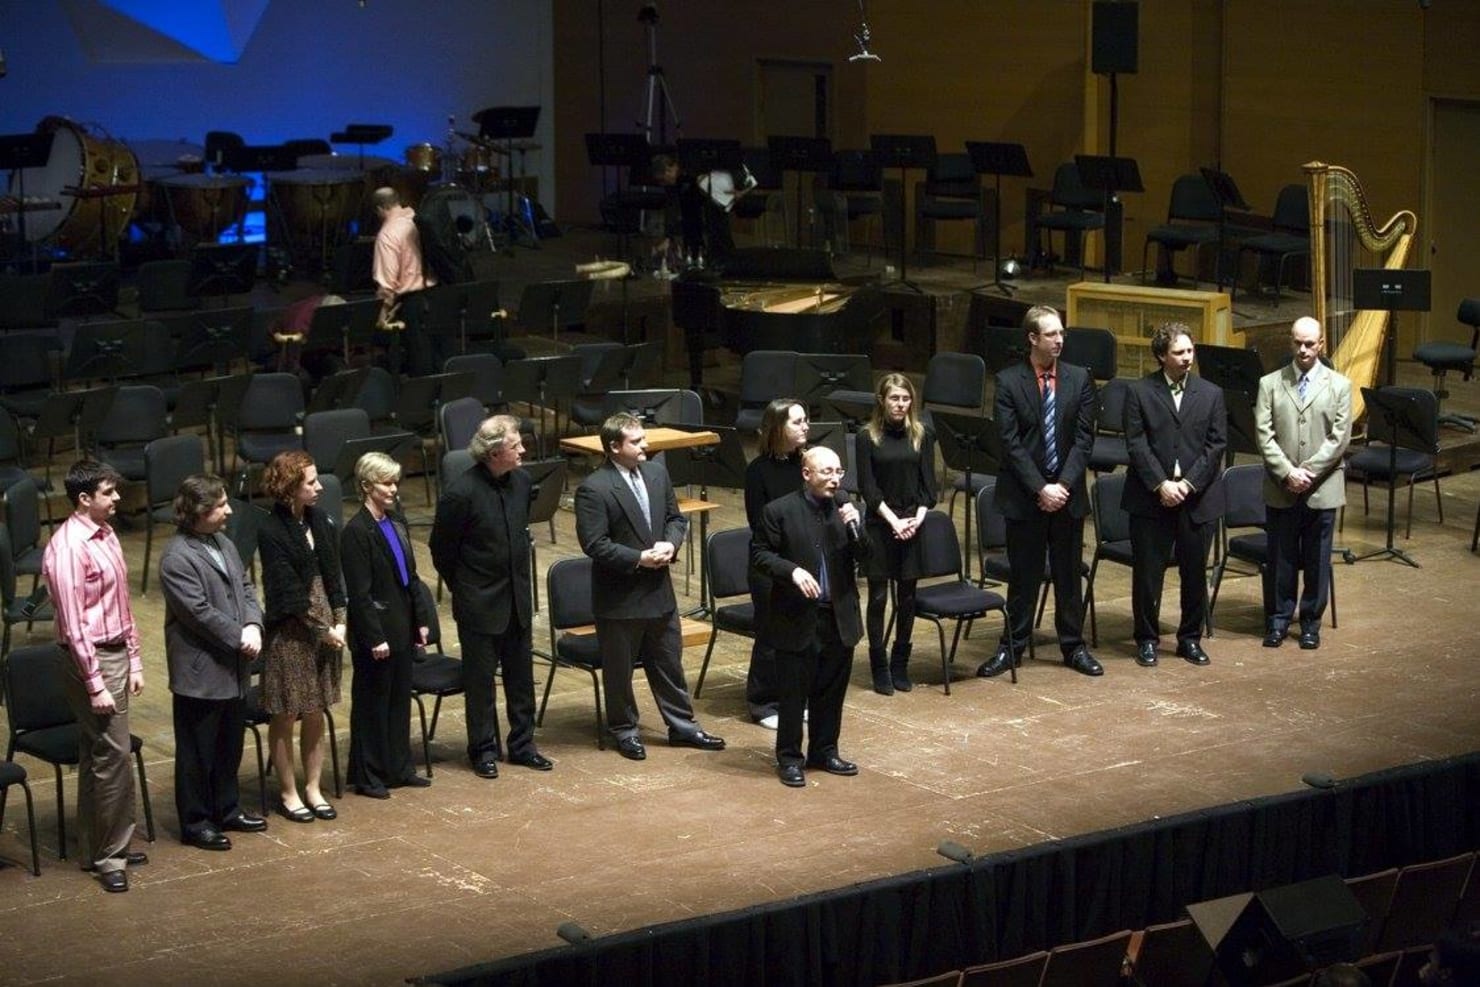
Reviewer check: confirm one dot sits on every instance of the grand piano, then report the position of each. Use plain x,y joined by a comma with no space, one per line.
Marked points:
776,299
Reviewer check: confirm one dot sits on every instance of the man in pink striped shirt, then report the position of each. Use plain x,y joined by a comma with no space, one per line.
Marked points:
101,667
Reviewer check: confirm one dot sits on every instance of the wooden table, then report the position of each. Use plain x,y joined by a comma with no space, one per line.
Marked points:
658,440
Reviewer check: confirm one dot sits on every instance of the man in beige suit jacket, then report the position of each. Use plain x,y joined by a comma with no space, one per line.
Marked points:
1303,424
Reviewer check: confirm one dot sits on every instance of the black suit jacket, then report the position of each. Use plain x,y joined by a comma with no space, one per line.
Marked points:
1019,410
1159,436
612,530
289,564
796,533
380,608
480,546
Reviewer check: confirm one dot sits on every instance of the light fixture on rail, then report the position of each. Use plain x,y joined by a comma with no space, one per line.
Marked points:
863,38
952,850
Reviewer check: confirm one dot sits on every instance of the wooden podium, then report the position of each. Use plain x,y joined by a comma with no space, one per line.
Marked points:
1133,312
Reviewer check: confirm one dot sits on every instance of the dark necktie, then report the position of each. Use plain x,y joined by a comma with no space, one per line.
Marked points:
1050,428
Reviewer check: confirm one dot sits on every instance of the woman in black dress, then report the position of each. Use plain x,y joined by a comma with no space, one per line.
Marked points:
896,456
304,613
387,620
775,472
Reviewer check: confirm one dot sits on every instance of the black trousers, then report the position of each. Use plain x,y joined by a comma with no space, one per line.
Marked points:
1062,537
208,753
1299,547
1153,541
483,654
762,682
814,679
380,720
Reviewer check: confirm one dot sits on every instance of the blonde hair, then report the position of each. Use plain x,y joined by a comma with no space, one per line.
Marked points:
914,429
375,467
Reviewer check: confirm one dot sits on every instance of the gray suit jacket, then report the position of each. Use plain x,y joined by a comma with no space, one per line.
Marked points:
612,530
206,608
1313,435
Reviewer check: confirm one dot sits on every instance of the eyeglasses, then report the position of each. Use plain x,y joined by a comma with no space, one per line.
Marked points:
829,473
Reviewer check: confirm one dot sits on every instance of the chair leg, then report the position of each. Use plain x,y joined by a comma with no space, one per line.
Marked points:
539,719
1089,604
534,579
436,714
31,822
148,544
1408,531
704,668
61,817
600,726
1438,500
144,797
426,750
1332,590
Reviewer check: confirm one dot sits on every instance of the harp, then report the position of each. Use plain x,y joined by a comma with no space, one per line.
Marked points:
1344,237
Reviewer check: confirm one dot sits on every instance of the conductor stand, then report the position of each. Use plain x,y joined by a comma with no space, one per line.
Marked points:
659,97
903,151
17,153
802,155
1110,175
968,443
998,159
1228,196
1399,421
507,124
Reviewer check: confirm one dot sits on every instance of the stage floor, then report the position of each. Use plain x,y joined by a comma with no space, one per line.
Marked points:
470,870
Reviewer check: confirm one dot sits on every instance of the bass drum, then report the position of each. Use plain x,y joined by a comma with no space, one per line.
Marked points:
87,223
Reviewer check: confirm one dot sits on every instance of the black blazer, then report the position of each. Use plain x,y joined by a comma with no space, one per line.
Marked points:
380,608
1158,436
612,530
289,564
480,546
795,533
1019,411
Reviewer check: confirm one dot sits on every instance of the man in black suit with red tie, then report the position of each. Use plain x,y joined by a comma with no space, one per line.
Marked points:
1045,411
1176,429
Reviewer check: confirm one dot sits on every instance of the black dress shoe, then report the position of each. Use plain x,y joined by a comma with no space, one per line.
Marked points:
244,823
323,811
1310,640
414,781
996,665
1146,654
1274,638
835,765
1083,662
791,775
698,740
302,814
486,768
135,858
114,880
208,838
370,793
631,748
532,759
1193,652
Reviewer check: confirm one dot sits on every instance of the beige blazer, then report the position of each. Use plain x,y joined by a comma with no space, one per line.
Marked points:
1313,435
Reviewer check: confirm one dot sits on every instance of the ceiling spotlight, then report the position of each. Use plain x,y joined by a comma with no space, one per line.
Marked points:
862,38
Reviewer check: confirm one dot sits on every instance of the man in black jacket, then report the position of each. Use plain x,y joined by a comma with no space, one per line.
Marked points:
480,546
808,545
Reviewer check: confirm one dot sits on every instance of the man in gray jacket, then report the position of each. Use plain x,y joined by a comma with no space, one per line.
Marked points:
212,632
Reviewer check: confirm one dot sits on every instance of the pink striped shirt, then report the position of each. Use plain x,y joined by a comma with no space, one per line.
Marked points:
88,580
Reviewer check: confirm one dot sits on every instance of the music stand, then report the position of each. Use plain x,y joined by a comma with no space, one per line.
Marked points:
656,406
800,154
508,124
215,339
390,443
968,444
698,156
819,375
554,303
71,413
998,159
1092,348
721,465
1399,420
1225,190
361,134
1230,367
230,268
1110,175
531,381
1003,347
903,151
17,153
1393,291
342,326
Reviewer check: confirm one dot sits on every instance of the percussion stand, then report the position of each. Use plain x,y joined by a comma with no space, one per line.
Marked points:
17,153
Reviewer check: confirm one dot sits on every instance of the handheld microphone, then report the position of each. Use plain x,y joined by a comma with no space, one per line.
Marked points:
840,498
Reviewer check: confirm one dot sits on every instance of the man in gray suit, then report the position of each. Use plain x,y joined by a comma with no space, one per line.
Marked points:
627,521
212,631
1303,423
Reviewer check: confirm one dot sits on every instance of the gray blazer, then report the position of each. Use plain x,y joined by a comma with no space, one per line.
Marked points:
206,608
1313,435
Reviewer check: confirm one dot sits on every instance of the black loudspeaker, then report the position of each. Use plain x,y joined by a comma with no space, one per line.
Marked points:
1116,37
1284,932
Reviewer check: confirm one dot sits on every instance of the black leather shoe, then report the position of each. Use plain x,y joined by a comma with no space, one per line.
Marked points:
114,880
631,748
370,793
414,781
302,814
533,759
208,839
835,765
1083,662
486,768
996,665
323,811
1193,652
1310,640
135,858
1274,638
1146,654
791,775
698,740
244,823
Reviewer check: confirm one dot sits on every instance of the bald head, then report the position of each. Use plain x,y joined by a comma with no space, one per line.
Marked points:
1307,341
822,472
